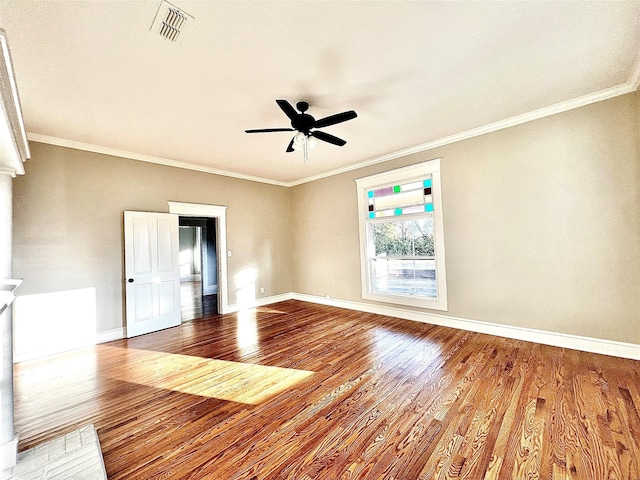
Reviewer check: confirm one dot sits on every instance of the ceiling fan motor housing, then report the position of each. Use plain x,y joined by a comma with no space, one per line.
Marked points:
303,122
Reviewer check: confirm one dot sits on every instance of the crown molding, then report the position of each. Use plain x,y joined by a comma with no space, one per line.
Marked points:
489,128
630,86
114,152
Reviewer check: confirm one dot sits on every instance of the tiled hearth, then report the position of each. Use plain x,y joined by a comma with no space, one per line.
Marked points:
76,455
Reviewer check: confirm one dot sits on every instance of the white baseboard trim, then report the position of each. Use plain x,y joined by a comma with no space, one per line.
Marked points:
563,340
110,335
261,302
100,337
575,342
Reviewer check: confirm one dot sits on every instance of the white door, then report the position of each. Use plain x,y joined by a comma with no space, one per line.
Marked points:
152,272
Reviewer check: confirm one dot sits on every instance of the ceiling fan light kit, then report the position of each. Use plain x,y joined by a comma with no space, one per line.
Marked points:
299,139
304,124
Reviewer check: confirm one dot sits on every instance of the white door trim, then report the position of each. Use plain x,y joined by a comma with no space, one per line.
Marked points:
220,213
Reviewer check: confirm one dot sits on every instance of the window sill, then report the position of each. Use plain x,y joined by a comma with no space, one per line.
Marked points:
407,300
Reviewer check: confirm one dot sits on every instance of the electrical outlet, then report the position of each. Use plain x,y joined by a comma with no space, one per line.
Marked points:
327,296
261,289
229,254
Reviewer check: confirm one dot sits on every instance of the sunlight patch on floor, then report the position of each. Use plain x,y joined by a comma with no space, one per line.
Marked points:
269,309
234,381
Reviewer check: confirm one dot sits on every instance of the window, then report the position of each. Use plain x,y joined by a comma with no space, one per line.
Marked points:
401,237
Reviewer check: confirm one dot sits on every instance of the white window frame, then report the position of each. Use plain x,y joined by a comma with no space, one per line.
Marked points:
404,175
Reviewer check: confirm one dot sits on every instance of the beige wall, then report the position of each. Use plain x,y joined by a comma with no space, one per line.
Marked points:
542,225
68,223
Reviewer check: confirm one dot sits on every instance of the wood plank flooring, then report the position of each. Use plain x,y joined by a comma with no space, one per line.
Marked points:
193,303
382,398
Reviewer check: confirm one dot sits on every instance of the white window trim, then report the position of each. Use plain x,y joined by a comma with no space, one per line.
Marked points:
412,172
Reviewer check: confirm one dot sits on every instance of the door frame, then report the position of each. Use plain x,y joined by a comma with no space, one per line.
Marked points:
218,212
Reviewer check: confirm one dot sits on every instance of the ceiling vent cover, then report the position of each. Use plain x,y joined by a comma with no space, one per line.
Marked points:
170,22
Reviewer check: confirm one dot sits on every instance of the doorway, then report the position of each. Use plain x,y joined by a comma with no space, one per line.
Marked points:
198,267
219,214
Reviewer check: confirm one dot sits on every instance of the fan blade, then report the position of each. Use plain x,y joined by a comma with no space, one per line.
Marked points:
337,118
326,137
265,130
288,109
290,147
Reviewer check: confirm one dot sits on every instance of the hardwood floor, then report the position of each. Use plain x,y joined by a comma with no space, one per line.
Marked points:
193,303
303,391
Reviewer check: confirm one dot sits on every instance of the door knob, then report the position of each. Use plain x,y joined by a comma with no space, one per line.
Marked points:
130,280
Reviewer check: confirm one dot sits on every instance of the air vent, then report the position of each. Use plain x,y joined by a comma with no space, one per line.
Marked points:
170,22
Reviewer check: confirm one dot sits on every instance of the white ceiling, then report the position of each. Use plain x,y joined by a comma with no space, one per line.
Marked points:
90,72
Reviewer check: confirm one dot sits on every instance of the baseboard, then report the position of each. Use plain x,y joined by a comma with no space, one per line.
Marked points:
110,335
261,302
575,342
100,337
118,333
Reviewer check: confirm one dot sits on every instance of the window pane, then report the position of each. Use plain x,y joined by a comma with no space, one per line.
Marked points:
416,197
412,274
404,277
401,199
403,238
414,209
412,186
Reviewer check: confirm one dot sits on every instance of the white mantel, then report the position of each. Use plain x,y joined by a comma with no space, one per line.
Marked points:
14,150
8,288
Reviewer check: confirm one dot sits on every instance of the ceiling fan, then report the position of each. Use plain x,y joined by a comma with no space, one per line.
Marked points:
307,137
